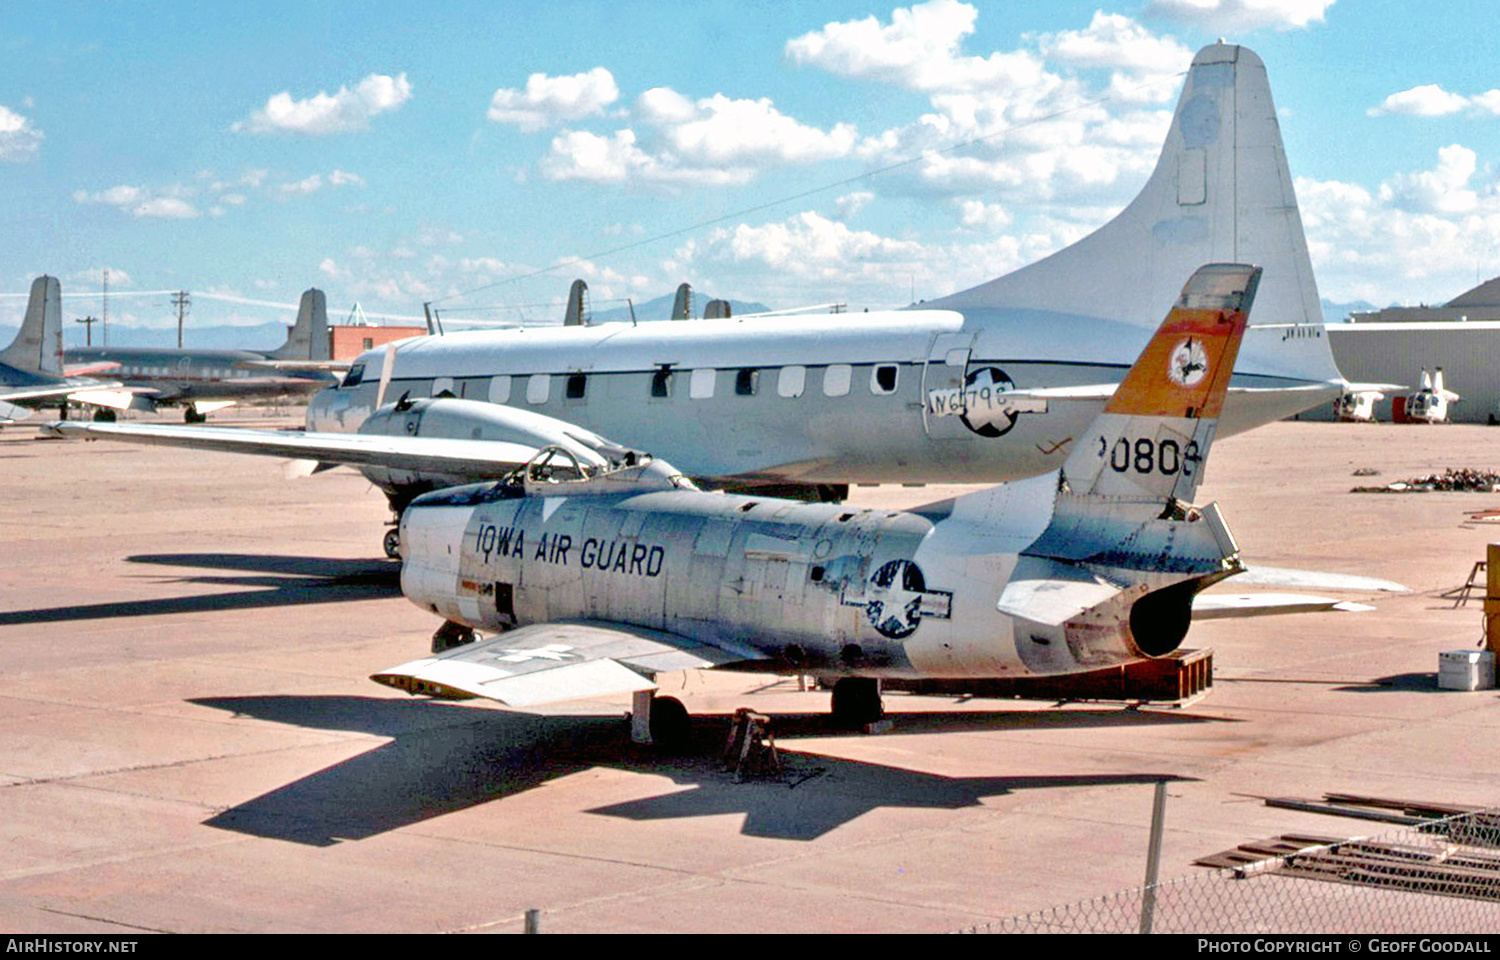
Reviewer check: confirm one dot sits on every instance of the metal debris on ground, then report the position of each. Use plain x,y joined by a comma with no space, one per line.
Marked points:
1462,479
1447,870
751,749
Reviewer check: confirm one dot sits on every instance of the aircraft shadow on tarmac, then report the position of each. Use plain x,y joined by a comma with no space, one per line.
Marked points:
444,758
1397,682
269,581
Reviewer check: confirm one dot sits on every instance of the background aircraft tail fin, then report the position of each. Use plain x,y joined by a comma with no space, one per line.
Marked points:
308,339
682,303
1152,440
38,345
577,314
1221,192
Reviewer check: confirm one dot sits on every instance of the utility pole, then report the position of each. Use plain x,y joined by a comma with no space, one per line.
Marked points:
104,312
181,301
88,329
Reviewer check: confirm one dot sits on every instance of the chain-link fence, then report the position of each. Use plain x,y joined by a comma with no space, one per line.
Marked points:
1441,877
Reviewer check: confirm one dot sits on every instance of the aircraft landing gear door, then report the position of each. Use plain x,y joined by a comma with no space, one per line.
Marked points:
943,403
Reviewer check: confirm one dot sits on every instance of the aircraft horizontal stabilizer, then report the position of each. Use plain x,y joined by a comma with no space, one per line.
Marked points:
552,662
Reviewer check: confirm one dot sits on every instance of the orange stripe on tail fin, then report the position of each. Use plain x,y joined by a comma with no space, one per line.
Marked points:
1152,439
1184,370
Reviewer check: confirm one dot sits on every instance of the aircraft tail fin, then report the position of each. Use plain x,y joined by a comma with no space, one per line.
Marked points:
1221,192
38,345
1152,440
308,338
682,304
577,314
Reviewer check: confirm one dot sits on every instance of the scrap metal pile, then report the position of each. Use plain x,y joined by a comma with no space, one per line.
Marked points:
1463,479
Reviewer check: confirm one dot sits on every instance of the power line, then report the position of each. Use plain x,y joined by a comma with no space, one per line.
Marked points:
847,181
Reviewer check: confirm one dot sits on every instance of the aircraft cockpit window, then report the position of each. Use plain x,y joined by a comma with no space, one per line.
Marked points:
883,378
661,381
554,465
354,376
577,386
746,382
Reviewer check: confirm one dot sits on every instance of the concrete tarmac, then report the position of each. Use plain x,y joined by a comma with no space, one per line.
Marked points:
189,741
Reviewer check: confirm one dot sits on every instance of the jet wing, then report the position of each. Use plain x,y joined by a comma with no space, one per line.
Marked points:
479,459
1223,606
1261,575
550,662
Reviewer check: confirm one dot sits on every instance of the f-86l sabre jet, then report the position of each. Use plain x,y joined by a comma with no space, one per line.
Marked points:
988,384
601,577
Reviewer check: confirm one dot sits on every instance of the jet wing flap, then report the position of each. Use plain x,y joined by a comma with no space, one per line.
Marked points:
1223,606
551,662
480,458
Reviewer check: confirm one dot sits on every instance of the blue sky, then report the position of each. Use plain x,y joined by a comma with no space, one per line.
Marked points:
393,155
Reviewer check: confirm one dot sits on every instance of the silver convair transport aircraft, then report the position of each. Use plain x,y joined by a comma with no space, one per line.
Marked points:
989,384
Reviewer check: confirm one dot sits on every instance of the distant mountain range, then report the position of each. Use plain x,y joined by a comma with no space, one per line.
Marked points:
1339,312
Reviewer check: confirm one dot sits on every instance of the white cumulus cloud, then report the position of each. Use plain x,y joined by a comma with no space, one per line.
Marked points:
1431,100
323,114
168,204
1223,15
547,101
19,140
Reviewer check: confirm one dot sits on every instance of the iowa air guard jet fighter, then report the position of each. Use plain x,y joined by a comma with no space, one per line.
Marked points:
598,577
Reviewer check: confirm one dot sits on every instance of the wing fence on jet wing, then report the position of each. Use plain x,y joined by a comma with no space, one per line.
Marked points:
550,662
479,459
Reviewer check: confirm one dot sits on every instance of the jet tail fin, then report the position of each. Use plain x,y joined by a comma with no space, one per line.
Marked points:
38,345
308,338
1152,440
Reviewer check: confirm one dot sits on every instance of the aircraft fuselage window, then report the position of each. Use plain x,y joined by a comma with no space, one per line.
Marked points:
499,388
538,386
661,382
883,378
577,385
442,385
791,381
701,384
836,379
746,381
